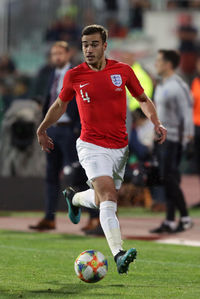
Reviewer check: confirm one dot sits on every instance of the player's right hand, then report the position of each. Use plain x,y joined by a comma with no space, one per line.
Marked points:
45,141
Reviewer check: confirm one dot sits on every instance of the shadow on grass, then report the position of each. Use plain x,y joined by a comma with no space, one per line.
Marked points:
77,289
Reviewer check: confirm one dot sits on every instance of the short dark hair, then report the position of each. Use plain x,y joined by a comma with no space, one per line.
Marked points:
92,29
171,56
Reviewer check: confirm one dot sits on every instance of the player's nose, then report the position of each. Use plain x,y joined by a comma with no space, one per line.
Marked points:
89,49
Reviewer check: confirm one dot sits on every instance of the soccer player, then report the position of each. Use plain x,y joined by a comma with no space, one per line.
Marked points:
195,88
99,87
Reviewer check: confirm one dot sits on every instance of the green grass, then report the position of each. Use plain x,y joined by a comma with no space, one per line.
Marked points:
41,265
122,211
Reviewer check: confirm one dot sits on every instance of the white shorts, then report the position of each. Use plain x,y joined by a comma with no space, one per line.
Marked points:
100,161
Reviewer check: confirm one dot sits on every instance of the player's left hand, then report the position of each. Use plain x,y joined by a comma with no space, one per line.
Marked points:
45,141
161,133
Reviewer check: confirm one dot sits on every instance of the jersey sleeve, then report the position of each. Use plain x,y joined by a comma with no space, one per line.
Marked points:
67,92
133,84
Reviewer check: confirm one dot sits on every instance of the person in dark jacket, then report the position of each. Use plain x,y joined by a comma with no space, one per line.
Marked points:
63,132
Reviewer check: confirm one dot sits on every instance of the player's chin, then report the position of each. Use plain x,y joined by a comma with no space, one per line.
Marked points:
91,60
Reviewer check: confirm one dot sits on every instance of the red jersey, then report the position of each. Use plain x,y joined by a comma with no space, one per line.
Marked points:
101,100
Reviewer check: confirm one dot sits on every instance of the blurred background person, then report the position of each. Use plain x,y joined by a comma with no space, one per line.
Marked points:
174,106
195,88
62,133
116,30
128,56
40,83
140,153
19,116
7,66
65,29
141,135
20,155
137,13
188,46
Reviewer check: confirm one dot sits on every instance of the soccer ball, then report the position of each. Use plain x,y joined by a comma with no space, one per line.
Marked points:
91,266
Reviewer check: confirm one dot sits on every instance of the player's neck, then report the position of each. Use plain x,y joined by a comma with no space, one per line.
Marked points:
168,74
100,65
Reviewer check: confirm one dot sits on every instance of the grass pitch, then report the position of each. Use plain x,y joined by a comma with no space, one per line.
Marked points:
41,265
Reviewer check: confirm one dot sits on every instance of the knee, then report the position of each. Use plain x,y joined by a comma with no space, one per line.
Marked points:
108,196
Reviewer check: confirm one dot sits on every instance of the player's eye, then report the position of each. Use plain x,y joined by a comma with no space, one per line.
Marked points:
94,45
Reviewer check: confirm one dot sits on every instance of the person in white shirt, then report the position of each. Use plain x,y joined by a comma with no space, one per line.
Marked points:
174,106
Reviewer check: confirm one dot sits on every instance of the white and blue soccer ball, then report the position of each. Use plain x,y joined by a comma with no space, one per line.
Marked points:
91,266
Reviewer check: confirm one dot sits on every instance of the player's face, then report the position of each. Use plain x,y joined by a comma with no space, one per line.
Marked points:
93,48
161,65
59,56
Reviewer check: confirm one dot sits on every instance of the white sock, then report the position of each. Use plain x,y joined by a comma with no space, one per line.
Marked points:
186,219
85,199
171,224
110,225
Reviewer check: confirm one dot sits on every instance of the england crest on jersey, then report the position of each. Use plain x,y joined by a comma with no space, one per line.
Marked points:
116,80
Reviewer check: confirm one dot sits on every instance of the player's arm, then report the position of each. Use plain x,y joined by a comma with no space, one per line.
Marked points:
149,110
54,113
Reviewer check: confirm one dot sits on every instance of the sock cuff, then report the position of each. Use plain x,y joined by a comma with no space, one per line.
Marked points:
108,205
185,218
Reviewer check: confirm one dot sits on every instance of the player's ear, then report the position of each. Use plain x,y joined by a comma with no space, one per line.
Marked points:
105,46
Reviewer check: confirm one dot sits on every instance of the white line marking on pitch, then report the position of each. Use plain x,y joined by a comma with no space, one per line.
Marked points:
179,242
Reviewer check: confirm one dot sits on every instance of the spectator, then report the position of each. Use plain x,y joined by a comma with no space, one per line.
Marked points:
111,5
128,57
14,87
116,29
187,35
21,88
40,83
195,4
20,154
62,132
89,16
64,29
142,136
8,76
69,30
142,161
52,33
174,106
195,88
136,13
6,92
7,66
184,4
